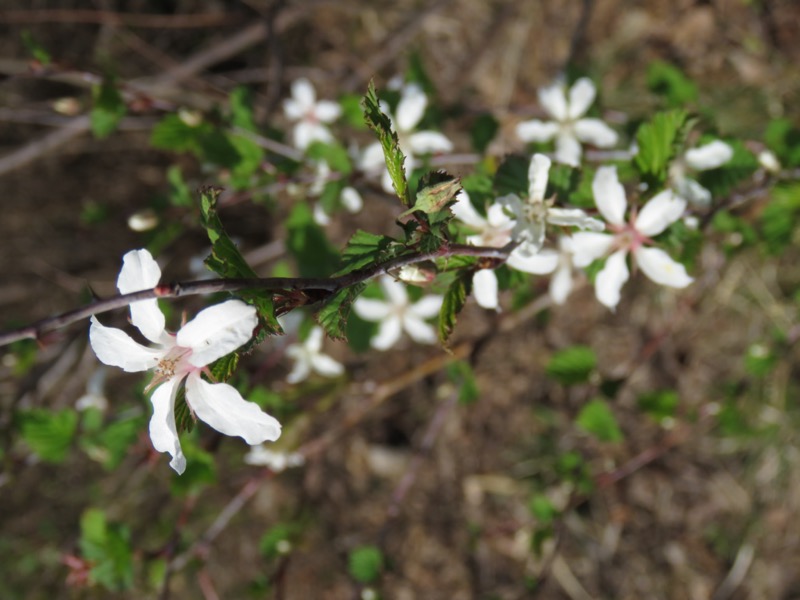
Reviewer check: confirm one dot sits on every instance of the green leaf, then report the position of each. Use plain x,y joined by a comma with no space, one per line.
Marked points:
454,300
179,194
783,138
223,368
174,133
200,470
659,405
436,190
461,374
483,130
334,154
542,509
382,126
107,110
669,81
48,433
241,105
659,140
597,419
227,261
332,317
277,540
216,147
306,241
512,176
365,248
35,49
110,445
365,564
572,365
780,218
108,547
759,360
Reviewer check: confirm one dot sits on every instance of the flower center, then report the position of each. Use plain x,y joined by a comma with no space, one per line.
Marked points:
173,364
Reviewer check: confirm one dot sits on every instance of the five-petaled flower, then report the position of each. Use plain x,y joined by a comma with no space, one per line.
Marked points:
398,314
534,213
659,213
568,128
310,115
308,357
410,111
711,156
179,359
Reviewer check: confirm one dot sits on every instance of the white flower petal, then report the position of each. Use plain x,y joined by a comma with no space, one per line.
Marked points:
293,110
539,264
659,267
301,369
223,408
561,283
321,218
372,310
484,287
466,213
217,331
327,111
139,272
326,366
609,195
394,290
554,101
609,281
116,348
411,107
596,133
497,217
419,330
163,432
428,142
693,192
304,133
388,333
588,247
372,158
710,156
303,93
538,173
314,340
386,179
581,96
661,211
351,200
568,149
426,307
574,217
537,131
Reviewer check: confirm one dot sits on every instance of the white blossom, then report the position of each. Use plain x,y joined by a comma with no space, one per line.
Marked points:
710,156
567,126
311,115
180,359
308,357
633,236
410,111
398,313
349,197
261,456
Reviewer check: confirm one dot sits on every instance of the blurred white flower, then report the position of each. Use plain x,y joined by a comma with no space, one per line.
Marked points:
308,357
410,111
95,396
711,156
261,456
310,114
349,197
398,314
768,161
659,213
179,359
568,128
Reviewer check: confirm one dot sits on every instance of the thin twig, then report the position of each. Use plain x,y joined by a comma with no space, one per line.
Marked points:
318,288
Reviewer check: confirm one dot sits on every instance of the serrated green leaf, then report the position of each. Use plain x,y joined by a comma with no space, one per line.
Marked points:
382,126
108,108
597,419
671,83
48,433
512,176
454,300
658,141
436,190
365,248
332,317
572,365
365,564
223,368
227,261
107,546
306,241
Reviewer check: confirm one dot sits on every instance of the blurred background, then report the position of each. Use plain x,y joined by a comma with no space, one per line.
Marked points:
471,474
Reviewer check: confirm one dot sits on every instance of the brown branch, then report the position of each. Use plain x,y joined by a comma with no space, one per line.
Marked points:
324,288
